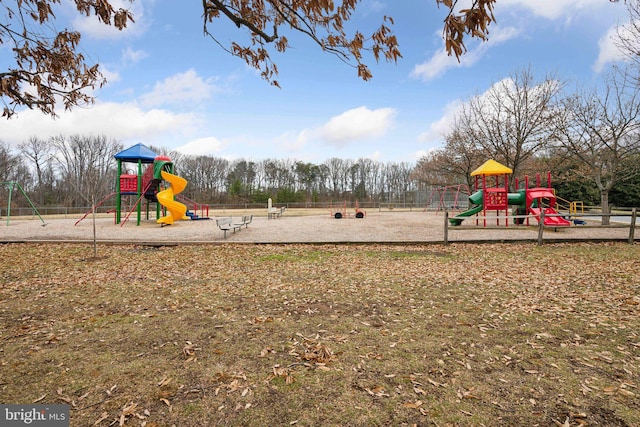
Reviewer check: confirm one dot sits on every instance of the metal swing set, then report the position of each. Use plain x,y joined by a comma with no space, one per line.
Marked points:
441,193
12,186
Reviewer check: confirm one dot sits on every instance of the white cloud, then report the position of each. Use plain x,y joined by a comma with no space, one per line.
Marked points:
552,9
203,146
110,75
125,122
181,88
440,62
376,155
609,52
130,56
357,124
294,142
423,153
434,135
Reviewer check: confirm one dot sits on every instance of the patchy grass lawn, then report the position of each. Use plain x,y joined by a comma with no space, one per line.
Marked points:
331,335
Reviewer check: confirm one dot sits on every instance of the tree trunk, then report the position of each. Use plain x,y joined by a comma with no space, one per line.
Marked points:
93,218
604,203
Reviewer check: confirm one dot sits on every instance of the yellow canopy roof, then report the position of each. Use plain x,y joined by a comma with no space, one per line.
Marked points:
491,167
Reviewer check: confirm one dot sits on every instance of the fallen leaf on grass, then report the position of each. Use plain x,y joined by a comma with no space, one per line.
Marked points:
377,391
128,411
413,405
166,402
419,390
282,372
65,398
625,392
103,417
467,394
566,423
265,351
189,350
164,381
435,383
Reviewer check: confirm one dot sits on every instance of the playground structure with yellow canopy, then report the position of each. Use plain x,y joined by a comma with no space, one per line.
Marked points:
492,194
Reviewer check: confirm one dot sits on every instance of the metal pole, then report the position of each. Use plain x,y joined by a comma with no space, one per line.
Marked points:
30,203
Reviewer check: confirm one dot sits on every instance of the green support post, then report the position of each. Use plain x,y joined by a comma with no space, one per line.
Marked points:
118,195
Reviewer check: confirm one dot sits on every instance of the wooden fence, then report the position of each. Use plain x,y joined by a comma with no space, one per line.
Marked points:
541,227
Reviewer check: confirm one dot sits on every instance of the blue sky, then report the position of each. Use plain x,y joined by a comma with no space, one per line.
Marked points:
170,86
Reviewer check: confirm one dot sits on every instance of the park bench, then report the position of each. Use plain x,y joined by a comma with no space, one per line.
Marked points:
275,212
226,224
246,220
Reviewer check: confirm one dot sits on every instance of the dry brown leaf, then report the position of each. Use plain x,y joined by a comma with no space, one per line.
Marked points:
435,383
378,391
265,351
164,381
103,417
189,350
413,405
626,393
129,409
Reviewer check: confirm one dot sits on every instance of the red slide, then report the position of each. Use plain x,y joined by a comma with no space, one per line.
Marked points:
550,217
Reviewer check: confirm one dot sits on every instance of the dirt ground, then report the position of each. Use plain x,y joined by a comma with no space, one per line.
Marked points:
297,227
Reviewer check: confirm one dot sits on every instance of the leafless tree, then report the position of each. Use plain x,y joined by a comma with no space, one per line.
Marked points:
601,129
86,165
39,153
12,167
627,39
337,170
510,122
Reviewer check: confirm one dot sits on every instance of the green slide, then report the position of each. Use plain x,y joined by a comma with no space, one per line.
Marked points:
477,200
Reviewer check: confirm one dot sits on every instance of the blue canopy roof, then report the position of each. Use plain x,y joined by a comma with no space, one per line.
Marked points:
137,152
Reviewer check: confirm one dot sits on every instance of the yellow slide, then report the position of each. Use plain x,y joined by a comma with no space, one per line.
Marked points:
175,209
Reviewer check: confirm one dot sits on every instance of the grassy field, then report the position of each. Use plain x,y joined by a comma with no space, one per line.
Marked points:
324,335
